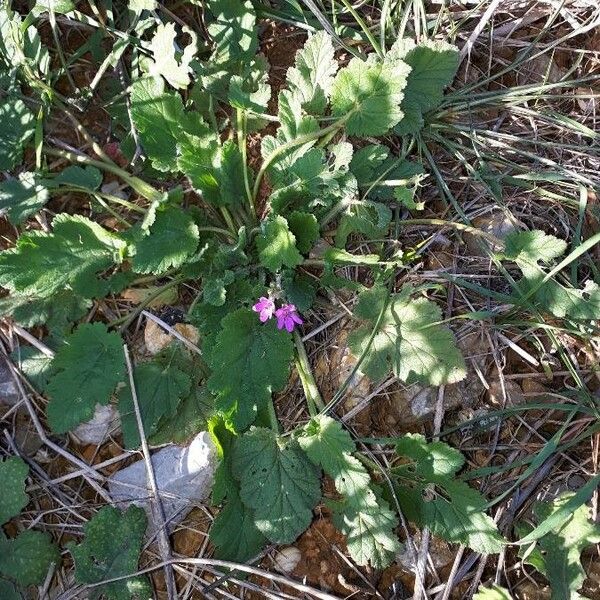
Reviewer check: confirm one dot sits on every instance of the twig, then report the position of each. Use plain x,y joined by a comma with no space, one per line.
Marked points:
157,507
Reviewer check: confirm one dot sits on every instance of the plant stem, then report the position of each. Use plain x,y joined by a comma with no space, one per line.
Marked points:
140,186
303,139
364,27
241,135
311,390
273,422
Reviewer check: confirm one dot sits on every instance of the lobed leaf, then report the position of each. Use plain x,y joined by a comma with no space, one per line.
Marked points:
403,335
111,548
171,240
13,473
278,482
369,93
87,368
430,495
249,361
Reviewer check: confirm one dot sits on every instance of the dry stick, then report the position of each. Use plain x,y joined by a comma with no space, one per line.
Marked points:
157,507
89,474
211,562
487,15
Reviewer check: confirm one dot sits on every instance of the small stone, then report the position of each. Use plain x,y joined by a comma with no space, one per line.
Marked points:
104,422
499,224
157,339
9,394
287,559
184,477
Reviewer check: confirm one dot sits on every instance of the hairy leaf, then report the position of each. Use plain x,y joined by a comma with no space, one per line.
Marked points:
408,339
111,548
89,178
305,228
171,240
527,249
494,593
88,367
249,361
311,79
557,554
277,245
18,125
364,518
43,264
13,473
27,558
433,67
176,72
160,387
430,495
56,312
369,93
278,482
22,197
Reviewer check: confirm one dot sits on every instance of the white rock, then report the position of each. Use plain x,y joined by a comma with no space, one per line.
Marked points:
287,559
184,477
9,394
105,421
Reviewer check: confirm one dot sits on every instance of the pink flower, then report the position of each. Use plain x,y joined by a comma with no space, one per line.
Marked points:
265,307
287,317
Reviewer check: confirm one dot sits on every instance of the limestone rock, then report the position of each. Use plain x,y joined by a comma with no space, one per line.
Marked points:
184,477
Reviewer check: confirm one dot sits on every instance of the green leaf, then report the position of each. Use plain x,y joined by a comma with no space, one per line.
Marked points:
176,72
35,365
161,121
56,313
433,67
233,532
255,100
277,245
559,550
233,30
305,228
372,219
311,79
89,178
8,591
111,548
13,473
43,264
214,170
408,339
527,249
430,495
361,516
160,387
138,6
55,6
249,361
18,125
214,288
278,482
171,240
369,530
299,290
366,162
370,93
22,197
88,367
27,558
494,593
